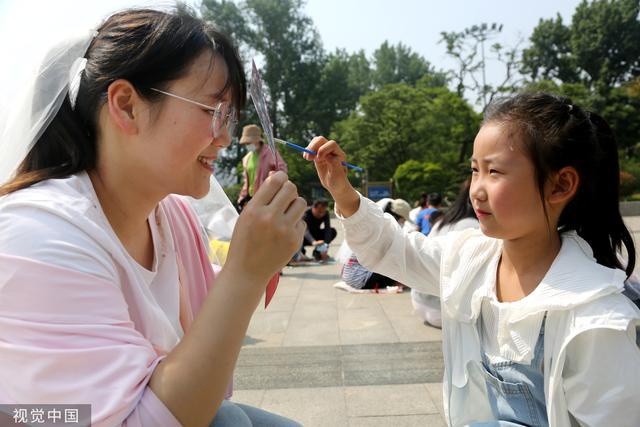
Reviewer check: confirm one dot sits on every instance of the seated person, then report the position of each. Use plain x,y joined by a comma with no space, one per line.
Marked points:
357,276
319,232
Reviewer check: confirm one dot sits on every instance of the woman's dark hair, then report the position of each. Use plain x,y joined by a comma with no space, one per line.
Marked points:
460,209
557,133
149,48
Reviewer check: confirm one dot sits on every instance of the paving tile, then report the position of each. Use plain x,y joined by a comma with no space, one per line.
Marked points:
435,391
279,303
411,328
312,333
248,397
388,400
398,421
348,301
319,407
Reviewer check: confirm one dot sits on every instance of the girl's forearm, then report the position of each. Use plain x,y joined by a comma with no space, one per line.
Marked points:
347,202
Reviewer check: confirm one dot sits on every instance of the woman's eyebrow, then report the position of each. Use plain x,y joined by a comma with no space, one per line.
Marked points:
216,96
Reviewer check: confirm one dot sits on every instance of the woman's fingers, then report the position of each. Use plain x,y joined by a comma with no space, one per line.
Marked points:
296,209
269,188
284,197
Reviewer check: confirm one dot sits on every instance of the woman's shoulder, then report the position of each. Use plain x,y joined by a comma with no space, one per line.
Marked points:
71,195
54,222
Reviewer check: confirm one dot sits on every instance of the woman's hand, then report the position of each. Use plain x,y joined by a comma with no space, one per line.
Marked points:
333,175
269,230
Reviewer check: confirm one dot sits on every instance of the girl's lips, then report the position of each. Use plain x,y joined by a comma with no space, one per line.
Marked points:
481,213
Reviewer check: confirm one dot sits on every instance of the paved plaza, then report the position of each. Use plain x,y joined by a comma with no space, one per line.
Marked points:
325,357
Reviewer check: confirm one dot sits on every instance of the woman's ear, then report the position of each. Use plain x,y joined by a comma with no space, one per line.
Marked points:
123,104
563,186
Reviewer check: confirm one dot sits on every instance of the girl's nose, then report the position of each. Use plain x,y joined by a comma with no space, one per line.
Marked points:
476,191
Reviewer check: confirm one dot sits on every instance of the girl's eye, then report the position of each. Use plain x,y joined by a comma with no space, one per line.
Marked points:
473,170
493,171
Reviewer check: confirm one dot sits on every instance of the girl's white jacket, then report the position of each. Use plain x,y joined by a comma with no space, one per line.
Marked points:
591,358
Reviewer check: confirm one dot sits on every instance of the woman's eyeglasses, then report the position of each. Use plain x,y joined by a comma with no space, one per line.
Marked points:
223,116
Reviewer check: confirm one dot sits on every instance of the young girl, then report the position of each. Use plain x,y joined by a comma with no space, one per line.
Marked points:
106,293
536,331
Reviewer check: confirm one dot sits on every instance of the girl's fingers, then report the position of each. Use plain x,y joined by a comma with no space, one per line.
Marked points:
331,152
316,142
315,145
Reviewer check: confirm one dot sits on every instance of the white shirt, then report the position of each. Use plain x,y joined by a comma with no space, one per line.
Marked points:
591,358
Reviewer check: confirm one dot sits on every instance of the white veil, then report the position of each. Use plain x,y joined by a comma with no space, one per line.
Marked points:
31,57
42,55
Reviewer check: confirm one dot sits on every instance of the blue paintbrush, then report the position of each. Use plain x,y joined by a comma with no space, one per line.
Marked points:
306,150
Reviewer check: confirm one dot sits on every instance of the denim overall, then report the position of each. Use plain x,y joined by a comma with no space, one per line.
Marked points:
516,391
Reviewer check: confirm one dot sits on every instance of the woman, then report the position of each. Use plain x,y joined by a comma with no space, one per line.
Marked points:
106,293
256,164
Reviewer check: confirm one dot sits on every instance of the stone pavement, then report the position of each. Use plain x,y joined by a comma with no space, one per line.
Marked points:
325,357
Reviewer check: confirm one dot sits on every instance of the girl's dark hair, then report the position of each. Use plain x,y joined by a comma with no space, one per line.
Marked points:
557,133
149,48
460,209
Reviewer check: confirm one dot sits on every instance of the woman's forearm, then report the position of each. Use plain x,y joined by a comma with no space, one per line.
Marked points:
192,380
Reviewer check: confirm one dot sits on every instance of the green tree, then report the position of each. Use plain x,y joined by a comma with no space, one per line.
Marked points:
549,57
599,48
468,49
399,123
398,64
292,60
414,177
344,78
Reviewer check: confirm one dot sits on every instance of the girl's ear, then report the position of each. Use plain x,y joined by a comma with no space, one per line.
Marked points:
123,104
563,186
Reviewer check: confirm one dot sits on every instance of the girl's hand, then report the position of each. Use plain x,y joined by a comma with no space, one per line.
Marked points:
333,175
269,230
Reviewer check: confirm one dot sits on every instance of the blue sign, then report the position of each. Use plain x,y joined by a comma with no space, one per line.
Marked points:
377,192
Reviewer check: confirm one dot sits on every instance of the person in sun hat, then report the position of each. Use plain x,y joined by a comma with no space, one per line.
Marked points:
257,163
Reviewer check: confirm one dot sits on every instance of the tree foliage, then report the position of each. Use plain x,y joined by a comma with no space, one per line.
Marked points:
398,64
468,49
413,177
399,123
392,112
600,47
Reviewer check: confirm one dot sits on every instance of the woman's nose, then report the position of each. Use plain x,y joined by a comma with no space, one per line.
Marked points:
223,141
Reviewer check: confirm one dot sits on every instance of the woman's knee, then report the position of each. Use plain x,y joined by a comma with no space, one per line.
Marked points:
230,415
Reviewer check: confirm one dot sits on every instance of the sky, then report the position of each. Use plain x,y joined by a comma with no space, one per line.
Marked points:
366,24
348,24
